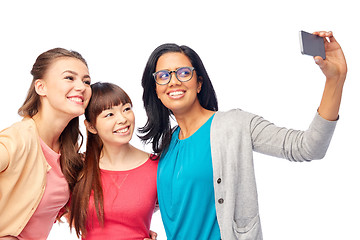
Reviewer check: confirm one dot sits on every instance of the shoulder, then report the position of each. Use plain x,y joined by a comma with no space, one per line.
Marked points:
232,115
143,156
17,141
20,132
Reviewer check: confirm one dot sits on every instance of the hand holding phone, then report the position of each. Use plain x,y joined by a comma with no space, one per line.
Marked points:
312,45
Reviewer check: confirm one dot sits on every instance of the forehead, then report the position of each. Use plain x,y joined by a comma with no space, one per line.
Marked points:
172,61
62,64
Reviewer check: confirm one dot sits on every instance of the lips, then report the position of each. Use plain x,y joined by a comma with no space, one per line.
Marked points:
176,93
122,130
76,99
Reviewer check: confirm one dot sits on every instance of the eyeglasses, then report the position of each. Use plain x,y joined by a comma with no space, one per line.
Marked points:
182,74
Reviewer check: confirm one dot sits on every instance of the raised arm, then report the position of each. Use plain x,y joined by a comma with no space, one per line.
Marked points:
4,158
334,68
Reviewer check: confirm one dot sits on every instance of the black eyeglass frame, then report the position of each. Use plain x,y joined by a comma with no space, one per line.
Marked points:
175,71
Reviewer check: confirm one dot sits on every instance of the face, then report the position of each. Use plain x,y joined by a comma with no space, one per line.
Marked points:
177,96
116,125
65,87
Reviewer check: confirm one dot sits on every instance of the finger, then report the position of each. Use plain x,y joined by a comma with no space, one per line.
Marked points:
328,36
153,234
323,33
332,39
319,61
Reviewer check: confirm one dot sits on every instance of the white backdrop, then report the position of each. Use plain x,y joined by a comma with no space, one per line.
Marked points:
251,51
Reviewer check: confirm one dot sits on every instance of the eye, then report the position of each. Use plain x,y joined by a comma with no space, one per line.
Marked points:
69,78
109,115
162,75
127,107
87,82
183,72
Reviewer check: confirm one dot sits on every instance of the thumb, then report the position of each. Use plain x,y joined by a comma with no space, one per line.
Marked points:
319,61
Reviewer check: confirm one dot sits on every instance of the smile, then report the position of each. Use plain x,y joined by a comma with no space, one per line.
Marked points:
122,130
78,100
176,94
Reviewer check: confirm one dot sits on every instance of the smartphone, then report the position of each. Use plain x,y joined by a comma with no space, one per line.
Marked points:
312,45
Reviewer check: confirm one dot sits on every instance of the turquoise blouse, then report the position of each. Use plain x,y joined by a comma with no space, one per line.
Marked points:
185,187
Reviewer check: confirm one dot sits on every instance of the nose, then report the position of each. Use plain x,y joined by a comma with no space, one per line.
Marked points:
173,79
79,85
120,119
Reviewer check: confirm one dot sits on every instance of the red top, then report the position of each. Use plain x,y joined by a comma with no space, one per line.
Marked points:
129,202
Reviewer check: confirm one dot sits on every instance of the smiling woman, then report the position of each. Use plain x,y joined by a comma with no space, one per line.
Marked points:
115,195
205,180
39,159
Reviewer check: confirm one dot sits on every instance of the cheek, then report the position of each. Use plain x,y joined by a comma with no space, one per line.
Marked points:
131,118
88,93
160,89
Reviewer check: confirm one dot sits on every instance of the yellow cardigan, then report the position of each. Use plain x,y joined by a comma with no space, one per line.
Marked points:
22,175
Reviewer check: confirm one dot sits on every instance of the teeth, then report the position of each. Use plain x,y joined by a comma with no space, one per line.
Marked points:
176,93
122,130
75,99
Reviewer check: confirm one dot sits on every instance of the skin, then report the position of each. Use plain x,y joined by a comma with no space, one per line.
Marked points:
115,127
334,68
190,115
65,93
186,107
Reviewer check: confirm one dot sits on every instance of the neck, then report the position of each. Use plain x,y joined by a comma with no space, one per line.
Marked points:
114,155
50,128
121,158
191,121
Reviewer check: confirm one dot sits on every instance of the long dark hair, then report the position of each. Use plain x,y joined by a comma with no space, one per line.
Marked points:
104,96
158,127
70,161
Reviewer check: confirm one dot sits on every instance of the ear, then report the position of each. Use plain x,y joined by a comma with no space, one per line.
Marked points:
200,82
90,127
40,87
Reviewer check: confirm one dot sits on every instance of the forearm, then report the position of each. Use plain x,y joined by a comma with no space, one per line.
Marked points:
290,144
8,238
334,68
4,157
331,99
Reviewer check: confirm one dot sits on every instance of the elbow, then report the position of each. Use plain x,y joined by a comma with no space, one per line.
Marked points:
306,154
314,153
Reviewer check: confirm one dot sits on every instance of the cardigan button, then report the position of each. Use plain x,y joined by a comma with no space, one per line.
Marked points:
219,180
221,200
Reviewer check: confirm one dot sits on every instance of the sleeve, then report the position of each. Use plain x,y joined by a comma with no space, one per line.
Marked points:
4,155
291,144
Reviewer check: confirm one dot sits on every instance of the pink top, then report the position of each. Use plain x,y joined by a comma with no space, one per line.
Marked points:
55,197
129,202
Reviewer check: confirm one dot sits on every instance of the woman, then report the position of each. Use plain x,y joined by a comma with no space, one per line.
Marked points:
115,196
206,183
39,157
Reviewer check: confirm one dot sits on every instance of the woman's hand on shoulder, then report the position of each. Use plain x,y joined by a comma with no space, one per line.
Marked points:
334,66
153,236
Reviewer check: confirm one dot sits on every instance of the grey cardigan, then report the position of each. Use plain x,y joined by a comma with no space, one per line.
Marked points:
234,135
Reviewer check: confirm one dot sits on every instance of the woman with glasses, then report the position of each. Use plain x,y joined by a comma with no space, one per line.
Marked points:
206,183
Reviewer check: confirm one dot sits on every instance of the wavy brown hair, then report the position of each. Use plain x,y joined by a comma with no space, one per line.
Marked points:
104,96
70,161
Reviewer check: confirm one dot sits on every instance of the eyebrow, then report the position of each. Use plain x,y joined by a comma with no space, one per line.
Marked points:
75,73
